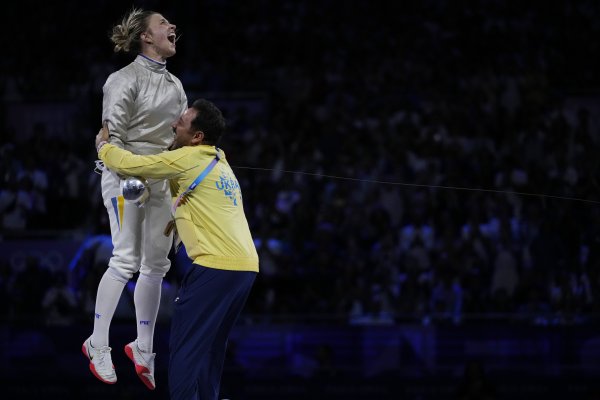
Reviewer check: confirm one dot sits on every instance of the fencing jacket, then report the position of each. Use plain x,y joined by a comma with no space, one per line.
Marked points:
140,103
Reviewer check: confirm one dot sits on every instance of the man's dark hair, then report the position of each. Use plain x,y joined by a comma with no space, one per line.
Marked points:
209,120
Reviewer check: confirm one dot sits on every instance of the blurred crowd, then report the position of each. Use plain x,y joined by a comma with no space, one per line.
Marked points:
435,161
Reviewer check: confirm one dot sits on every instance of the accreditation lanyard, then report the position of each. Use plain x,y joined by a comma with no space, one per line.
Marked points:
197,181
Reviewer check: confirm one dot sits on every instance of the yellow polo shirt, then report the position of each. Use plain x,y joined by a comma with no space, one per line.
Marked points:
211,222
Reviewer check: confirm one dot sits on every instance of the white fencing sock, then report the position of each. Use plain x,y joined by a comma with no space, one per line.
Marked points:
107,298
147,300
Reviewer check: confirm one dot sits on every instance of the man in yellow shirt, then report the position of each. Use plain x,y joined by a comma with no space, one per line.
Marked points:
209,215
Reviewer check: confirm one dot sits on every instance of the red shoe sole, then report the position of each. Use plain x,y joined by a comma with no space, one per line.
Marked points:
140,370
93,369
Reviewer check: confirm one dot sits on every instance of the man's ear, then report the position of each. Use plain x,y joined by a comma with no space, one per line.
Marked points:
198,138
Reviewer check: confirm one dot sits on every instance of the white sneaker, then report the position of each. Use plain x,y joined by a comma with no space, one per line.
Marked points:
100,362
144,363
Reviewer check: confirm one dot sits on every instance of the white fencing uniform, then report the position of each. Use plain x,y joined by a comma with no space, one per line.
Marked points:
140,103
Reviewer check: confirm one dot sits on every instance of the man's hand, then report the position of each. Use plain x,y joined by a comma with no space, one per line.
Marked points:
102,135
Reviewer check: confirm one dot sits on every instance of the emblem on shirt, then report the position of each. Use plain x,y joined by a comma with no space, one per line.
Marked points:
229,185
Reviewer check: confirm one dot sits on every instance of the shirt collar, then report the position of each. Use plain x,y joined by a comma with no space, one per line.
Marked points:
152,65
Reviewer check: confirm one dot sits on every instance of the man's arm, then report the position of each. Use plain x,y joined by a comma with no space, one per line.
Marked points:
158,166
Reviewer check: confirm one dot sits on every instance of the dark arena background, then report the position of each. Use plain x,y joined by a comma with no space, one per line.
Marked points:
421,179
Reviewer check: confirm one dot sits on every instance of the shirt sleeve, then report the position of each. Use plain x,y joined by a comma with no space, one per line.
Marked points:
158,166
119,93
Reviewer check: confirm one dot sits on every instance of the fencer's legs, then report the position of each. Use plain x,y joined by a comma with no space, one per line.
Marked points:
125,225
139,244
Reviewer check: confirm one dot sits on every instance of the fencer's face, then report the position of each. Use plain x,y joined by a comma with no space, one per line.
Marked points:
160,37
185,135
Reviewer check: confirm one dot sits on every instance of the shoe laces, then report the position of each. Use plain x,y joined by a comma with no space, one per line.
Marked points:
102,353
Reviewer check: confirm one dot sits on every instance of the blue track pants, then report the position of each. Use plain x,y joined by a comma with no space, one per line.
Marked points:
206,309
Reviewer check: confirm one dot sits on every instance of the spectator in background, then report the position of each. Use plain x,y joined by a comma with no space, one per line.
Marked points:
505,274
447,296
59,302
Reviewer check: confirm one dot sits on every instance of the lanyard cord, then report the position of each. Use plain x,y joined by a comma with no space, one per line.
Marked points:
197,181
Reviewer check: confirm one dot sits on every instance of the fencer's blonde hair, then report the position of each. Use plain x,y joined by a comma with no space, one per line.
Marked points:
126,35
